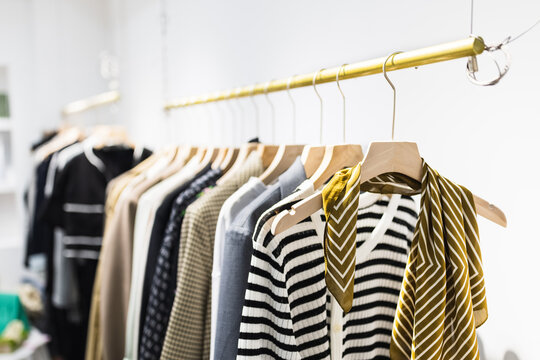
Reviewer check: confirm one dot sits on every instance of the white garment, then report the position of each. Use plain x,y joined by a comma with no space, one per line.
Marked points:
147,206
231,207
33,348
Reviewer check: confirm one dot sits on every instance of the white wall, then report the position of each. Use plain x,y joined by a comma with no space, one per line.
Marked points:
68,38
484,138
51,49
17,57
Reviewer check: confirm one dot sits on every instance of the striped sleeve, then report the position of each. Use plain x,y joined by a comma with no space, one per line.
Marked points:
302,255
285,309
266,327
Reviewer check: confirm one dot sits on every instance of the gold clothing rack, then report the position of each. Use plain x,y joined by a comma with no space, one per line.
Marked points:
79,106
453,50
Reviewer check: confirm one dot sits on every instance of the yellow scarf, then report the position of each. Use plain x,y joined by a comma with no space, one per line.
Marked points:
442,298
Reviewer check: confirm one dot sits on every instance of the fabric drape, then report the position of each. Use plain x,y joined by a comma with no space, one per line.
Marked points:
443,298
340,203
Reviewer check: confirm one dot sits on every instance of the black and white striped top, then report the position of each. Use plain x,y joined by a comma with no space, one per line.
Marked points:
288,312
76,194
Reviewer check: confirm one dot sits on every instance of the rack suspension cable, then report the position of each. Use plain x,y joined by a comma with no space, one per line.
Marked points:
443,52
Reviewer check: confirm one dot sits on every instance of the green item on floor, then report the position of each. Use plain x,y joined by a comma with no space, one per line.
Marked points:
14,325
13,336
12,309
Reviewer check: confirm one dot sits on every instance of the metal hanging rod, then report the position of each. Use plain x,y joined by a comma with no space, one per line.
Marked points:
453,50
78,106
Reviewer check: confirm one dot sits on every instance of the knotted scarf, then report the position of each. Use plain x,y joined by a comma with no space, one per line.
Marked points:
340,201
442,298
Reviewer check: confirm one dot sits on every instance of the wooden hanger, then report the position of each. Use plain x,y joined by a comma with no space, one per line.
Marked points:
284,158
280,157
189,152
64,137
183,155
267,153
385,157
181,158
166,165
311,158
336,157
243,154
220,157
199,155
229,160
382,158
107,135
209,157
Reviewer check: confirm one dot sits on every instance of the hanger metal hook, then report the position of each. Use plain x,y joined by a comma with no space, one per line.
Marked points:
217,108
242,113
393,89
272,110
293,104
204,106
343,97
320,102
218,119
190,118
234,116
256,108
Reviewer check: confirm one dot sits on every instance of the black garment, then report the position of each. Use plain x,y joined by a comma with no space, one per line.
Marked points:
45,139
39,237
164,280
78,198
156,238
40,234
76,207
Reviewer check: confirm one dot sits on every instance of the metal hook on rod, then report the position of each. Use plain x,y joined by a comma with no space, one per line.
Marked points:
231,112
293,106
320,102
175,128
242,114
393,89
220,125
256,108
189,120
214,122
272,110
343,98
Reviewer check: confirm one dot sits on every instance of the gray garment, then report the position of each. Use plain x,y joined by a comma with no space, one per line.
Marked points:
232,207
65,295
237,257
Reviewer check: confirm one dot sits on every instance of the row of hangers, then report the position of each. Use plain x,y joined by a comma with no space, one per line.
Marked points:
98,136
322,162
